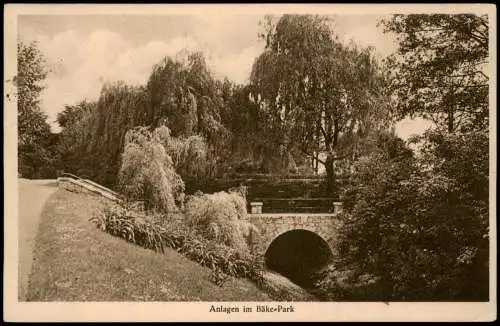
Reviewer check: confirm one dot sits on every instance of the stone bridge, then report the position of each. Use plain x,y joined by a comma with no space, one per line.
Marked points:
295,245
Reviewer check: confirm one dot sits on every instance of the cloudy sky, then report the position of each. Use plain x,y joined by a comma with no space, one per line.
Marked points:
84,51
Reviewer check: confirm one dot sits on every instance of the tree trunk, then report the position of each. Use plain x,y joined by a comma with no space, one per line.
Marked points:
316,163
330,175
316,152
451,122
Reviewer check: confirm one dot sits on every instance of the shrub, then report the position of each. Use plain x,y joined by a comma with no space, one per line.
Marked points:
337,282
225,262
147,172
417,227
190,155
131,225
159,234
220,217
218,277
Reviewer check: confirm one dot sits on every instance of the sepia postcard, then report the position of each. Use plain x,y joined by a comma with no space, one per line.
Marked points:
250,162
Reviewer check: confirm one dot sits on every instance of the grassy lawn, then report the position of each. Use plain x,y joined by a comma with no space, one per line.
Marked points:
74,261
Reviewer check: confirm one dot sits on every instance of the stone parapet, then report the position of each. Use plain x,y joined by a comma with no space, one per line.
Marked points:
271,226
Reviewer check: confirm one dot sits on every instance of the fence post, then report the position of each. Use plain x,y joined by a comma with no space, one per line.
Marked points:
337,207
256,207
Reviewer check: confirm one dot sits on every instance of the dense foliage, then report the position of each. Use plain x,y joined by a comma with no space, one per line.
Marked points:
319,96
148,173
220,217
185,94
158,235
190,155
440,68
253,146
74,146
36,143
416,217
418,227
180,93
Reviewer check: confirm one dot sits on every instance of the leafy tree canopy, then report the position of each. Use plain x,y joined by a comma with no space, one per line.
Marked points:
31,72
319,95
439,70
34,135
418,225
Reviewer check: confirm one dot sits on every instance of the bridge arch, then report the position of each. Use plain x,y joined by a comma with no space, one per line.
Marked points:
273,235
297,253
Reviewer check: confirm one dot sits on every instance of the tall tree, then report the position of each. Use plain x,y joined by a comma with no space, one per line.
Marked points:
181,93
439,70
77,123
34,136
185,93
120,107
319,95
416,226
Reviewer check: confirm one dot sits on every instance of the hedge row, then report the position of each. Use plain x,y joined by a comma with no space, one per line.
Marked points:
264,188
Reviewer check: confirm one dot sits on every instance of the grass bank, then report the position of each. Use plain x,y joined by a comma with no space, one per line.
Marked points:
74,261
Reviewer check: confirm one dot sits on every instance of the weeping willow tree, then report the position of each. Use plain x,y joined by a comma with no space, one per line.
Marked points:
154,164
93,133
180,93
220,217
147,172
189,154
319,95
76,122
120,107
184,95
253,147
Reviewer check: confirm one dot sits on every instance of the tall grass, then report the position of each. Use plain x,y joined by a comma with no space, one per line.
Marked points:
168,232
151,233
220,217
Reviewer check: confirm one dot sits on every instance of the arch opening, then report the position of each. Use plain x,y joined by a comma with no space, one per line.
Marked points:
297,255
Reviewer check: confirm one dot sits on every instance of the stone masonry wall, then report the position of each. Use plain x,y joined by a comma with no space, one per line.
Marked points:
272,225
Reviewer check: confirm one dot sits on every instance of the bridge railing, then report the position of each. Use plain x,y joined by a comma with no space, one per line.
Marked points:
92,184
295,205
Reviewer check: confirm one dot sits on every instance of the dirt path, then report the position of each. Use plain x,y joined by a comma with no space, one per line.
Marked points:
32,196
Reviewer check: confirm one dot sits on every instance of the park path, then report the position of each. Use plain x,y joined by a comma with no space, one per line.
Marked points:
32,196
